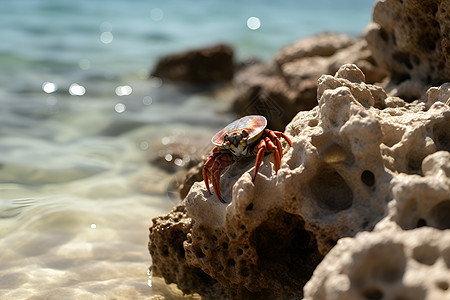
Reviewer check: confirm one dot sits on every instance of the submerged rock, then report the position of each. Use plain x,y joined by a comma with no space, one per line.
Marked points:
200,66
356,160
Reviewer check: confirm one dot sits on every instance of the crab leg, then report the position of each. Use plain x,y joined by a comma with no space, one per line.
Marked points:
280,134
273,137
216,170
267,145
208,165
272,148
206,172
259,157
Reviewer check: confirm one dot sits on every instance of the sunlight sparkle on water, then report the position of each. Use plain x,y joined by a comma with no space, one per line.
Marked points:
84,64
149,282
143,145
77,90
123,90
120,107
106,37
253,23
147,100
49,87
156,14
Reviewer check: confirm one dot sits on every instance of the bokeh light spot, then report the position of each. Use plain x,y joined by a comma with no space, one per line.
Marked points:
120,107
147,100
84,64
253,23
106,37
156,14
77,90
123,90
49,87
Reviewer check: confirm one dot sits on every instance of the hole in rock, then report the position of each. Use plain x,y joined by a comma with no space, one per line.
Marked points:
165,250
368,178
245,272
287,252
441,133
231,262
421,222
198,252
440,215
443,285
426,254
249,207
313,123
373,293
330,190
225,245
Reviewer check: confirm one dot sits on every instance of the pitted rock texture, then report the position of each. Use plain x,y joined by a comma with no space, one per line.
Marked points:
288,84
403,258
390,264
342,176
411,39
166,247
423,200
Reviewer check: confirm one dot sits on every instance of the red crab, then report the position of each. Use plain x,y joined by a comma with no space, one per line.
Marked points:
242,138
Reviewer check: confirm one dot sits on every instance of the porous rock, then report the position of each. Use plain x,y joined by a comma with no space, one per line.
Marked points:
206,65
288,84
341,177
411,39
389,264
166,247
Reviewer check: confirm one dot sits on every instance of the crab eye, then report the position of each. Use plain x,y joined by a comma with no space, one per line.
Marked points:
244,133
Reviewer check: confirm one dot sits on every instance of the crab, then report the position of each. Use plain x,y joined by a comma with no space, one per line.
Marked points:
245,137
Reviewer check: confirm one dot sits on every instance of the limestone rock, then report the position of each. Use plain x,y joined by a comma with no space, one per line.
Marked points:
411,39
423,200
166,247
390,264
288,84
325,44
206,65
345,172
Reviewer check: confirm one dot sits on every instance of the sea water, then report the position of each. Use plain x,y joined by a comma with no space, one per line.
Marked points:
82,125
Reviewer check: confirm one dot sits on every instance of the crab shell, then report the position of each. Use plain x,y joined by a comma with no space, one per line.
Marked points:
254,125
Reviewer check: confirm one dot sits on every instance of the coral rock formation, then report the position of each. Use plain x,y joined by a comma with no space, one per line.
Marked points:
288,84
411,39
392,264
356,159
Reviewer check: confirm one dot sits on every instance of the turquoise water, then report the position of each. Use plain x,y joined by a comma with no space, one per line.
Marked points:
81,126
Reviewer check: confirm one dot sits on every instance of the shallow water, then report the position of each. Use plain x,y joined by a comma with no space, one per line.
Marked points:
81,126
